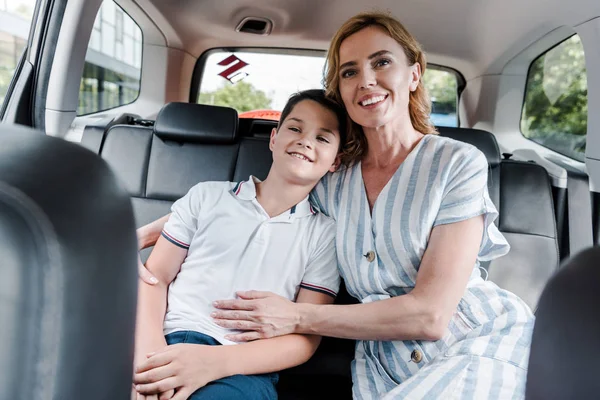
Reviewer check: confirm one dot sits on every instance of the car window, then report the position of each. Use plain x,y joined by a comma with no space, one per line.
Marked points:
112,70
555,108
15,21
255,83
442,87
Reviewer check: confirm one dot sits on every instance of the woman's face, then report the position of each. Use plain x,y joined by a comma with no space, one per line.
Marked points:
375,78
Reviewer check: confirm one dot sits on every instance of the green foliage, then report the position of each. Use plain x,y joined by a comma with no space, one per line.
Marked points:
442,88
242,96
555,109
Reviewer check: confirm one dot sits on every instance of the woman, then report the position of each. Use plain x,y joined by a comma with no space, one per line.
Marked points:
414,219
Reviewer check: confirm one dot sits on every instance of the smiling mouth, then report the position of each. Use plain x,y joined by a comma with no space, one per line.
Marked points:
372,101
300,156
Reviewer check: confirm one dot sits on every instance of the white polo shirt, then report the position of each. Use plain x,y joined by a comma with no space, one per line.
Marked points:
234,245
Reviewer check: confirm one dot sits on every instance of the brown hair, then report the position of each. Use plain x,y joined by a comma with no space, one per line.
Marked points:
419,105
318,96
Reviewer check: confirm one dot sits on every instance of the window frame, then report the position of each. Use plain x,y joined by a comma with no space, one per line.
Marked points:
40,10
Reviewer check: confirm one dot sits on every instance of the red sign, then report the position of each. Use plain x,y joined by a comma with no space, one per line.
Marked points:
231,73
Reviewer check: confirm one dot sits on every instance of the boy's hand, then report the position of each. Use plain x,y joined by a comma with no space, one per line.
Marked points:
163,396
185,367
157,395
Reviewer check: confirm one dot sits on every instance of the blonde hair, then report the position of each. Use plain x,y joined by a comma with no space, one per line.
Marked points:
419,105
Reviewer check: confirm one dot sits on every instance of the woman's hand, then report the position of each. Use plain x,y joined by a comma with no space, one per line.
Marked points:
144,274
182,367
263,314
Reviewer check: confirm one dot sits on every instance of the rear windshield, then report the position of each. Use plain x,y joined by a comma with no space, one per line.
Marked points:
258,85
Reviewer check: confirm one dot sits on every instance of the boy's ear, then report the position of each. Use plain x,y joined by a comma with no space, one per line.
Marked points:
272,139
336,163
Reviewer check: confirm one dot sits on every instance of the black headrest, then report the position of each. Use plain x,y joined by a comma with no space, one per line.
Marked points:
483,140
564,362
199,123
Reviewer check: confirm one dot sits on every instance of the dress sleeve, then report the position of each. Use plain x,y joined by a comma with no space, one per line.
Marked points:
466,196
320,195
183,222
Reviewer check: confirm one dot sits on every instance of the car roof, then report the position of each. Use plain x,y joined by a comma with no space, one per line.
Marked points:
473,36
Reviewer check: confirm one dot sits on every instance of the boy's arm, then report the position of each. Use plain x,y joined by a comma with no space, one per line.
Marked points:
164,262
187,367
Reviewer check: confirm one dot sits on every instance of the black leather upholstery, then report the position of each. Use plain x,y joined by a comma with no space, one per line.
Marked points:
254,158
69,276
483,140
127,150
174,167
564,359
94,133
197,123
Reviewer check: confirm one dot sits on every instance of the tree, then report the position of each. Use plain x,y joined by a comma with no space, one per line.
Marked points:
442,89
242,96
555,109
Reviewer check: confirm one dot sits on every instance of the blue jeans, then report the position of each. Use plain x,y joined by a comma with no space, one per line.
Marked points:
242,387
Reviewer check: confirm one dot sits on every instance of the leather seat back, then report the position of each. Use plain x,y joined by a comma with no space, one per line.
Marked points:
69,276
565,351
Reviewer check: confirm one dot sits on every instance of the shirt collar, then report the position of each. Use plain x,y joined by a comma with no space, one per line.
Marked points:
302,209
246,190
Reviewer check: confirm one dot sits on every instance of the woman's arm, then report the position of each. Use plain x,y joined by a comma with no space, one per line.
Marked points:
147,236
188,367
423,314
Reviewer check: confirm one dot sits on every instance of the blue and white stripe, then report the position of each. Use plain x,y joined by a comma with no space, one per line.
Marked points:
485,349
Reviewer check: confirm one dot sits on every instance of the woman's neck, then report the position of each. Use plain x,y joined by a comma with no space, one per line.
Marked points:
390,144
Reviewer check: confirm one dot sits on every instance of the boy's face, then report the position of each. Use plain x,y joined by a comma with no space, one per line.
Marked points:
306,146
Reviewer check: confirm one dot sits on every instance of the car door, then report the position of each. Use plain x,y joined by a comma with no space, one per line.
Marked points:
28,34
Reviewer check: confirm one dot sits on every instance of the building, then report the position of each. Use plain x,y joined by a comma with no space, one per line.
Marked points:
111,74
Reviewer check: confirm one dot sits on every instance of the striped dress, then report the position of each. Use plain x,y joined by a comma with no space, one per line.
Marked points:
485,350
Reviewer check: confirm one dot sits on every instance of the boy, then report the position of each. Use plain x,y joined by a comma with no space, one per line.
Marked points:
223,237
